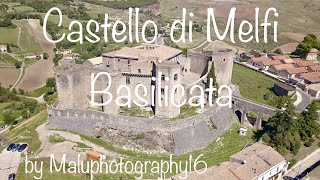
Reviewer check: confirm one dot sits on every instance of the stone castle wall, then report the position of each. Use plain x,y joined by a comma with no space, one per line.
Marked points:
153,135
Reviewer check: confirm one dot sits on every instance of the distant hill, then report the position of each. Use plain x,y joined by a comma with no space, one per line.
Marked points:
122,4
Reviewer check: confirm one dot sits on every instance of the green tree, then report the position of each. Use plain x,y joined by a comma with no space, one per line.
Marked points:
18,64
30,104
310,41
309,126
8,118
283,130
51,82
278,51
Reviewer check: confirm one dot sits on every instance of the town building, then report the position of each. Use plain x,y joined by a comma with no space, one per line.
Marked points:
265,64
282,89
275,69
311,56
292,72
254,60
255,162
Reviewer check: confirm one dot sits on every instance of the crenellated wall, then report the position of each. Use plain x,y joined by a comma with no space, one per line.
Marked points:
153,135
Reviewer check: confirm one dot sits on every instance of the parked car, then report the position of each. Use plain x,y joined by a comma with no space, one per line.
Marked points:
22,147
12,176
9,148
15,147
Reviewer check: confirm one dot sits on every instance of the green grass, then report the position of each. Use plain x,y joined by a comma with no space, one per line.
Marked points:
230,143
27,132
186,111
4,105
30,61
28,39
23,8
135,111
253,85
9,35
8,58
38,92
56,138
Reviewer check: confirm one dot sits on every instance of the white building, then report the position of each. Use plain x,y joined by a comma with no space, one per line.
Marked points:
3,48
255,162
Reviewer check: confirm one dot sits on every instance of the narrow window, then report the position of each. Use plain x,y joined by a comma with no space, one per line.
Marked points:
163,77
139,70
162,90
128,80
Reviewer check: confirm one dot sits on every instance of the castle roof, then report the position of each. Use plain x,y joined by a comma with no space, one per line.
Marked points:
155,51
96,60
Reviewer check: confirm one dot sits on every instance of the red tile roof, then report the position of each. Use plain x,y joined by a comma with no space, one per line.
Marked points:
270,62
280,57
315,68
259,59
296,70
302,63
283,66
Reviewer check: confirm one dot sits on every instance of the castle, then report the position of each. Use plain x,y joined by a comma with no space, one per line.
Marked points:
138,65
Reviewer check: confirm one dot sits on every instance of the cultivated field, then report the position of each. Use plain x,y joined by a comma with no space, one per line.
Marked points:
28,39
9,35
36,75
8,76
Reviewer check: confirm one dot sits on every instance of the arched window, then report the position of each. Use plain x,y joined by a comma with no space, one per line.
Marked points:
175,77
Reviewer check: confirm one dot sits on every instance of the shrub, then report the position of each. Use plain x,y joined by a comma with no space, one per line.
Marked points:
307,143
292,163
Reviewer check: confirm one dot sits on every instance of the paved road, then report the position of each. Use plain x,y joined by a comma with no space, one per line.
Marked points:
305,100
304,165
9,163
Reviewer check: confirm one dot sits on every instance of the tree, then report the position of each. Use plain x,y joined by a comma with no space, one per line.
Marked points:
283,130
310,41
8,118
8,48
309,126
45,56
278,51
18,64
51,82
30,105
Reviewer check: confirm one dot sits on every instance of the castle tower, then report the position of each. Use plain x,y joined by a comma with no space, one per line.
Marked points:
223,64
169,73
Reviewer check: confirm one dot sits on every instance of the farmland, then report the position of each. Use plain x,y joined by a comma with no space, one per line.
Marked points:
28,41
11,35
8,76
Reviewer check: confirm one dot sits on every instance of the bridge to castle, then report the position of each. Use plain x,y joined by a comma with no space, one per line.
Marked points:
242,107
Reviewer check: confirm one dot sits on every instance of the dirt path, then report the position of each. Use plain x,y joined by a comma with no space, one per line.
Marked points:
67,147
21,70
35,76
